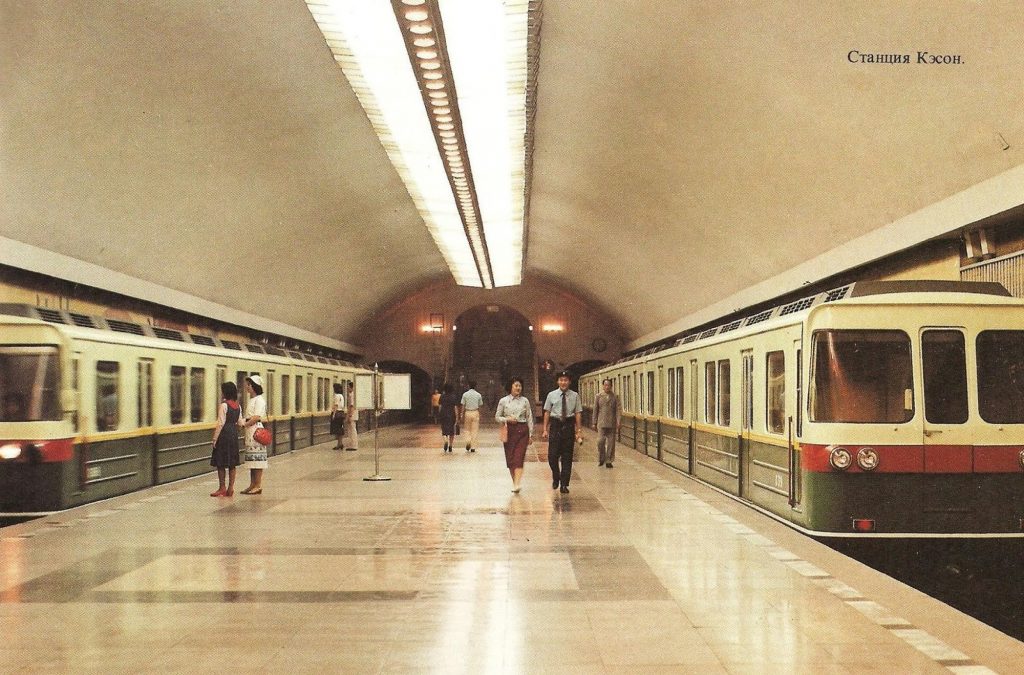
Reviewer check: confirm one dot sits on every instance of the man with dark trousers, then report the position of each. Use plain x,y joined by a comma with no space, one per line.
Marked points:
562,411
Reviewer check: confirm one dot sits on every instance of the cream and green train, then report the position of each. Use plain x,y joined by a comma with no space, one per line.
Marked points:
93,407
885,409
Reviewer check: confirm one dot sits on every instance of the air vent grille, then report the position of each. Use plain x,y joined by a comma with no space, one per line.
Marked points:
125,327
731,326
203,340
708,333
837,294
168,334
231,344
690,338
82,320
256,349
762,316
797,306
51,315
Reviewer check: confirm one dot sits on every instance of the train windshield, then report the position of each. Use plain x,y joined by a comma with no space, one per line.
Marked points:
861,376
1001,376
29,384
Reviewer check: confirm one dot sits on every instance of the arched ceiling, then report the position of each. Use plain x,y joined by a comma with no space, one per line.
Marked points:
684,151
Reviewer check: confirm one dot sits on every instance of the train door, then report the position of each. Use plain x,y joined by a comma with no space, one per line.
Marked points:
746,421
948,446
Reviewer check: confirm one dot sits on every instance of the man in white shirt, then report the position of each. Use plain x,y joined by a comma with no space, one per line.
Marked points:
469,415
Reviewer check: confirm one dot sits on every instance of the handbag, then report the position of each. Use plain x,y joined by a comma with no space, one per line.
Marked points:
262,436
503,432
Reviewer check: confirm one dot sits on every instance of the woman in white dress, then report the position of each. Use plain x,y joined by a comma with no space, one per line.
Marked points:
255,454
351,440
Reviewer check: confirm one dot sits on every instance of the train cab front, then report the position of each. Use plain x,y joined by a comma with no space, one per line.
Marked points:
917,429
36,428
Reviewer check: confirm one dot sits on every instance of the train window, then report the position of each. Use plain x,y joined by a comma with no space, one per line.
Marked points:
861,376
710,393
775,392
222,377
944,365
30,383
643,397
650,393
724,394
680,400
197,394
145,393
268,390
1001,376
298,393
108,395
243,395
309,392
748,390
285,394
672,392
178,384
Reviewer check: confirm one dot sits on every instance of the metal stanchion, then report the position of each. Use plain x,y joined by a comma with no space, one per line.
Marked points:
376,427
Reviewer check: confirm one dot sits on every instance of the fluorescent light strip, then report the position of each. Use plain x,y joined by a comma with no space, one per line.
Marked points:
487,47
425,42
368,46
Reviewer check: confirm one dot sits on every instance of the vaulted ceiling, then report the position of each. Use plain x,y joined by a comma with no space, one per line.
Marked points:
684,151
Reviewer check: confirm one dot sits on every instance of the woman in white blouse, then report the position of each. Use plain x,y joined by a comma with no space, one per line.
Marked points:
516,413
255,416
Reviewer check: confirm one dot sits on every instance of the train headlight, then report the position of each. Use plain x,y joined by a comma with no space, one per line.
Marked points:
867,459
10,451
840,458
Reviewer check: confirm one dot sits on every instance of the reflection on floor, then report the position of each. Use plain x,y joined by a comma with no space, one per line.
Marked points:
443,569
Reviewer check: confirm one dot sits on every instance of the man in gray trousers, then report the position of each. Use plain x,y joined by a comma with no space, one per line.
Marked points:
607,422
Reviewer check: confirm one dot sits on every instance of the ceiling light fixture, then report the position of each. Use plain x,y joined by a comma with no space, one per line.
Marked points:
471,66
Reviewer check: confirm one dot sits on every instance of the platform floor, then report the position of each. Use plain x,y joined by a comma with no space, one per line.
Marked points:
442,569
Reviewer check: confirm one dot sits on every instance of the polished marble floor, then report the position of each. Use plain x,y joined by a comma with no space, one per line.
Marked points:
443,570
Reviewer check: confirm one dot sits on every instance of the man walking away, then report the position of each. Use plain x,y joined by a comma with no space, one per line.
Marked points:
607,422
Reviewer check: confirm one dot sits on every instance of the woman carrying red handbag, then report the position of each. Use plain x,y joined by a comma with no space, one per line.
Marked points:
255,452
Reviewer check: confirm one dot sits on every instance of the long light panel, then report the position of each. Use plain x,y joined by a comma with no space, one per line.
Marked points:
444,84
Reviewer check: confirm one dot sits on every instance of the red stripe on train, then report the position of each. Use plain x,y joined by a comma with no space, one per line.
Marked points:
920,458
53,450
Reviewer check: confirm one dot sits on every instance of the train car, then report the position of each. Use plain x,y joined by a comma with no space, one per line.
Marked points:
879,409
92,407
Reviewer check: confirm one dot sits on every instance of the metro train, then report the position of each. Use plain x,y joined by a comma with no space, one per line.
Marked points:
92,407
878,409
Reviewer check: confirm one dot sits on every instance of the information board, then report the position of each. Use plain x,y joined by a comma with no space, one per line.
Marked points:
397,391
364,392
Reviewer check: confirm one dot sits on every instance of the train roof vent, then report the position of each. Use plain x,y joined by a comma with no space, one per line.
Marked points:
309,357
837,294
256,349
168,334
276,351
125,327
334,362
82,320
760,316
231,344
203,340
797,306
731,326
708,333
50,315
295,355
323,359
690,338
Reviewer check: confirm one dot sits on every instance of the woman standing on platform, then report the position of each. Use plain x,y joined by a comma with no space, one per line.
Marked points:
255,454
515,413
338,415
225,439
446,416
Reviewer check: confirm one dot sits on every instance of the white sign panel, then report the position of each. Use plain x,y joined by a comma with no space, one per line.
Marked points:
364,392
397,391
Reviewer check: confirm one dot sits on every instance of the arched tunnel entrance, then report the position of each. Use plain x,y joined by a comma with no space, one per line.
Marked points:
492,344
420,392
